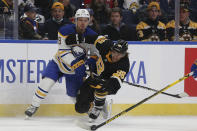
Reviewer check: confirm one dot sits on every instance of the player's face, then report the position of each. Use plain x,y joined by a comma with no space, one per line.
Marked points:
115,18
116,56
184,15
153,13
58,13
31,14
82,23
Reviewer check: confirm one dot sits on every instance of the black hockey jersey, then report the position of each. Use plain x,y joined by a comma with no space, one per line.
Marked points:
108,70
151,30
187,32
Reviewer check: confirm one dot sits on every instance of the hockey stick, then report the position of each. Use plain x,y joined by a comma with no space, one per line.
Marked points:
94,127
144,87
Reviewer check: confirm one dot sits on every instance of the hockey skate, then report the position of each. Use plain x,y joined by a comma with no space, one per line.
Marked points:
107,107
94,113
30,111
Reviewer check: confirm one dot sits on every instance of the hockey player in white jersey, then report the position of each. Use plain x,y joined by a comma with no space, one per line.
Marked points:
69,61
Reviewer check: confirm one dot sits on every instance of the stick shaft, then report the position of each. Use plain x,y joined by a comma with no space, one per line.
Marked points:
141,102
151,89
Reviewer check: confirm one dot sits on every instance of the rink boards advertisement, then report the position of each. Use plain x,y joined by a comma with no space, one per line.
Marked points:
153,65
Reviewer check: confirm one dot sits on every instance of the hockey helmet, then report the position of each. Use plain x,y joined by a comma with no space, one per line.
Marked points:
82,13
120,46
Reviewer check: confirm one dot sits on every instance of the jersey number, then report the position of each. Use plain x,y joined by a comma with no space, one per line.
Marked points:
120,74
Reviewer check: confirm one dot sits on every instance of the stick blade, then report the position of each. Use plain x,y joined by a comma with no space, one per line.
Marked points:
184,94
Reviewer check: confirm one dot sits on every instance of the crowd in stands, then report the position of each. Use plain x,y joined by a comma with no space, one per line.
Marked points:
131,20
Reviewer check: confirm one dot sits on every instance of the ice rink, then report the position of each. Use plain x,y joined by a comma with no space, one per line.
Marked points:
135,123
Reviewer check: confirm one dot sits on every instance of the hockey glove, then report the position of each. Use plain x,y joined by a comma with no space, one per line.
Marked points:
194,69
95,82
78,52
73,39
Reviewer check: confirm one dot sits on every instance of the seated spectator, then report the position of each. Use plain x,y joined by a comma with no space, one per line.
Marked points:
93,23
39,18
21,5
28,27
117,29
188,28
151,29
69,9
53,24
6,7
141,12
101,12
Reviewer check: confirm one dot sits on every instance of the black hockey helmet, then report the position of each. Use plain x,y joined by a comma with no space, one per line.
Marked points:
120,46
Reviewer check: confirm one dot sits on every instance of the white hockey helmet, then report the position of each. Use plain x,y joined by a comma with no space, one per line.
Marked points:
82,13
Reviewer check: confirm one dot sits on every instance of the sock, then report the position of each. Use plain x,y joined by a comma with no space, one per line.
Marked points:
42,91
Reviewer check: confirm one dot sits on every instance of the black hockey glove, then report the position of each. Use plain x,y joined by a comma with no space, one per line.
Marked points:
74,39
95,82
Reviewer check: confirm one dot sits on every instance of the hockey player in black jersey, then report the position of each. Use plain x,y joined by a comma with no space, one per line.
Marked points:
111,69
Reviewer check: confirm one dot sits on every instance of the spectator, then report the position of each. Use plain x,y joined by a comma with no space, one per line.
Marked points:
69,9
28,27
6,6
101,12
53,24
142,11
117,29
93,23
188,28
151,29
39,18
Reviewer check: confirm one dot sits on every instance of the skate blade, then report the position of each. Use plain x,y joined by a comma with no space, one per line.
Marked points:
27,117
184,94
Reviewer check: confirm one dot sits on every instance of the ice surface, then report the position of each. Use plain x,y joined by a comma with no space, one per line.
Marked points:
133,123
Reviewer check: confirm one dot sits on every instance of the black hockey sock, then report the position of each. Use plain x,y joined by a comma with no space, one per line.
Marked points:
99,98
